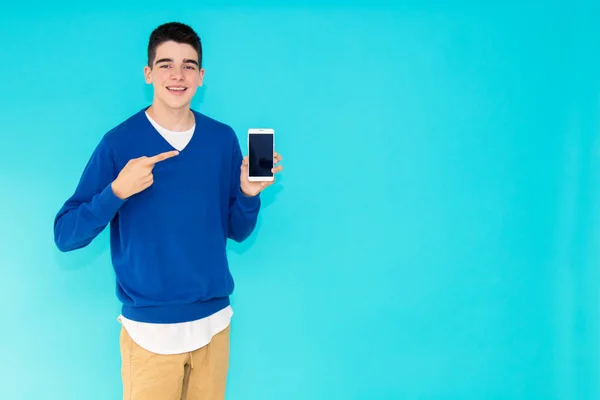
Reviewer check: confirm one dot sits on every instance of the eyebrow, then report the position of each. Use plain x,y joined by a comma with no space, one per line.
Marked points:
185,61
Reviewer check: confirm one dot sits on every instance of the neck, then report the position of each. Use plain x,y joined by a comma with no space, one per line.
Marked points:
172,119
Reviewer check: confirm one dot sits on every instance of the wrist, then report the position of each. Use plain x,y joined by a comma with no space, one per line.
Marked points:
246,192
117,191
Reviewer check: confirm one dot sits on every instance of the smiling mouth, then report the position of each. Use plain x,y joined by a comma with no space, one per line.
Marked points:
175,89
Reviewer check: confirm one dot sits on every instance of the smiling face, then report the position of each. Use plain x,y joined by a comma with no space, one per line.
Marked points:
175,74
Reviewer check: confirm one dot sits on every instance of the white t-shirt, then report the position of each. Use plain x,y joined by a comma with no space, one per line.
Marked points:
186,336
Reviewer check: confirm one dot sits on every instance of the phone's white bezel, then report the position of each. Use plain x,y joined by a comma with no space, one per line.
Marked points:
264,131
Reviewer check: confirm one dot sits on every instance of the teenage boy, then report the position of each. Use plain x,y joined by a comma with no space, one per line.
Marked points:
173,185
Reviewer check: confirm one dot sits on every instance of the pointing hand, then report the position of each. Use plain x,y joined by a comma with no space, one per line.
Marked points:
136,175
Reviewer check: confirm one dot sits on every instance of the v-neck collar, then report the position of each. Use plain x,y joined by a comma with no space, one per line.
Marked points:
161,138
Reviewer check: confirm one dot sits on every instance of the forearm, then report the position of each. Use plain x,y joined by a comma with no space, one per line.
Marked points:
243,214
79,221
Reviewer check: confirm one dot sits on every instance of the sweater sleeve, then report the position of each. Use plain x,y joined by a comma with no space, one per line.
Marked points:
93,204
243,210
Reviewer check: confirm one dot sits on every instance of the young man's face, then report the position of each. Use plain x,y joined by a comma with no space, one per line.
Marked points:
175,74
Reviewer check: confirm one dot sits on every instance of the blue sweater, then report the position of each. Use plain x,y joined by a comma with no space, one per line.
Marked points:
168,242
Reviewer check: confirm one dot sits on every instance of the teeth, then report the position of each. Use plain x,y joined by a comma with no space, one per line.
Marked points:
178,89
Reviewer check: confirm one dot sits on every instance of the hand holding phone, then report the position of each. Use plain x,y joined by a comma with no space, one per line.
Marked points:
259,167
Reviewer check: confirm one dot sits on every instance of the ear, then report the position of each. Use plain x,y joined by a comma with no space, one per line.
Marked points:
201,79
148,74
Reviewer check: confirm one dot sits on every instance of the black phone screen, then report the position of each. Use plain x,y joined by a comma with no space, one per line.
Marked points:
260,157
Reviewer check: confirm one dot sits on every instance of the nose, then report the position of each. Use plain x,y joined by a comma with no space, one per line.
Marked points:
176,74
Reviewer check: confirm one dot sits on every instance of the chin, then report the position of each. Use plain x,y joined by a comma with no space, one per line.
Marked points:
179,104
176,103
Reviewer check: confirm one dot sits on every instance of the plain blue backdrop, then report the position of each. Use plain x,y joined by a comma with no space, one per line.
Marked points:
434,234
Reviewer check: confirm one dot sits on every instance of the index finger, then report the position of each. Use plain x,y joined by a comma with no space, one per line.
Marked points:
162,156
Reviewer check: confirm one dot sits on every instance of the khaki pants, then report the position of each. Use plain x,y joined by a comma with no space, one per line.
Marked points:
198,375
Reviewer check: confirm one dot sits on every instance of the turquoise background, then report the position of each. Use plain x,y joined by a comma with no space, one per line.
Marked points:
434,235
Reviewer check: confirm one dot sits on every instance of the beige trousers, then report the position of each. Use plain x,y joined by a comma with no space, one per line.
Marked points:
198,375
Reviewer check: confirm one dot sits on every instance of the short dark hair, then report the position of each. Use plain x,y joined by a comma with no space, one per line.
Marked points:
176,32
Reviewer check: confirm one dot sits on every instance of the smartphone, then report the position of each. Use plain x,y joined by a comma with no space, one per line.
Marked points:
261,149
